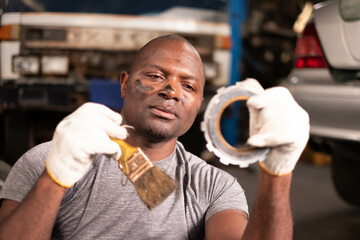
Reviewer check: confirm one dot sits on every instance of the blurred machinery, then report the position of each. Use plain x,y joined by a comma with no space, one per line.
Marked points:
57,55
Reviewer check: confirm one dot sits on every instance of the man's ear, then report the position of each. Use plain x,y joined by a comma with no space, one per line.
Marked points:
123,81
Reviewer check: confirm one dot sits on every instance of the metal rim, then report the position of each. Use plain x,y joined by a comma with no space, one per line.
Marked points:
216,143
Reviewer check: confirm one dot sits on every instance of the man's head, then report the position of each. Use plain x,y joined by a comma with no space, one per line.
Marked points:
163,89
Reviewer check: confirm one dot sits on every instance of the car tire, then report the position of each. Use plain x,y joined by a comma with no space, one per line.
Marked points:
345,170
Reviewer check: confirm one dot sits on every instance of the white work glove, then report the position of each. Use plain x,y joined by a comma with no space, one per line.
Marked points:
78,138
277,122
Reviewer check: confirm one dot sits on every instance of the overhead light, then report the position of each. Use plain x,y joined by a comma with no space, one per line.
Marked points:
58,65
26,64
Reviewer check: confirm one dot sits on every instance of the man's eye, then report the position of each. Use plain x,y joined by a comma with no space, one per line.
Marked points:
189,87
154,76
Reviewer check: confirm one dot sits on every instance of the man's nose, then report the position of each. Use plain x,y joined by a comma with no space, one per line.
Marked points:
171,89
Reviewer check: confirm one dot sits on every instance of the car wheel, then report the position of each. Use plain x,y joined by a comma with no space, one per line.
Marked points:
345,169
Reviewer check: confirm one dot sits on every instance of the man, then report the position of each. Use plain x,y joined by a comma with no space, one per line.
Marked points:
77,192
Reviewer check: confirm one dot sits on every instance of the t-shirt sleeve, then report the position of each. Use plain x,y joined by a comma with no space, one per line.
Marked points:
227,194
24,173
214,189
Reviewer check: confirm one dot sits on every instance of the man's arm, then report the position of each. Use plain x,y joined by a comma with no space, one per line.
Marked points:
227,224
272,212
35,216
77,139
270,219
279,123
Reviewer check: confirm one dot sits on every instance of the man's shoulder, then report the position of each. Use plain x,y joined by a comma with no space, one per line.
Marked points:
35,156
196,163
25,173
38,151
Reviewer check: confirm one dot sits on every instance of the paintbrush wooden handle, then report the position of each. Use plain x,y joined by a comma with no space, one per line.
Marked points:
133,162
126,149
126,152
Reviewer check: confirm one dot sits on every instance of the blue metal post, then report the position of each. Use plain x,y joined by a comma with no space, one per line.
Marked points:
237,13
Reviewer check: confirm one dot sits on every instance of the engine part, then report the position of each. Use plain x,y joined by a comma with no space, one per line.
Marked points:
216,143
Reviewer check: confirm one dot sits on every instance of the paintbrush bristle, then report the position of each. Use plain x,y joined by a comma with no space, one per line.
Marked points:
154,186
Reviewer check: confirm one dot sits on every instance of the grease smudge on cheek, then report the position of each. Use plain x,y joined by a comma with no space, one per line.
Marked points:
183,100
142,89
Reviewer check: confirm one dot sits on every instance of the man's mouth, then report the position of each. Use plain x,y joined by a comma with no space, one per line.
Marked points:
163,112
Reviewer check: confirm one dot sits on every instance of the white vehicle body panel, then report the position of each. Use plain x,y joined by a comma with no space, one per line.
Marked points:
125,22
333,108
339,39
333,105
100,31
113,33
10,18
7,51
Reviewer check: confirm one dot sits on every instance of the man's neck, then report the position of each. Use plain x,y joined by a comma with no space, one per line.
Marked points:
155,151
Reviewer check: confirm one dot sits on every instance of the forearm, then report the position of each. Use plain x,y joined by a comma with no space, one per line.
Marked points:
271,217
34,217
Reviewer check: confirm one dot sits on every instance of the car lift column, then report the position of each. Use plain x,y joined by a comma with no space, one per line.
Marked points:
237,14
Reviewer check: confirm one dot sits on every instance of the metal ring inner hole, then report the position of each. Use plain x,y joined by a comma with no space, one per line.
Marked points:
243,149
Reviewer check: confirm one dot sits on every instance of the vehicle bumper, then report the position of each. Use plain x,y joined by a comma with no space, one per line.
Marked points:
333,107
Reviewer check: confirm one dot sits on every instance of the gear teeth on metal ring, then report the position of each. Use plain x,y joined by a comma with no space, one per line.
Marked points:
224,161
225,154
243,165
210,147
220,90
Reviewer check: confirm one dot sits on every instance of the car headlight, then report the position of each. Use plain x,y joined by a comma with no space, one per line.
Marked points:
26,64
55,65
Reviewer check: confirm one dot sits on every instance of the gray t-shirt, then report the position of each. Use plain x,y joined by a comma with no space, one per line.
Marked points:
100,207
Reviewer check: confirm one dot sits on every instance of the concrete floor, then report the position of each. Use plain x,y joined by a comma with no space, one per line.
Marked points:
317,210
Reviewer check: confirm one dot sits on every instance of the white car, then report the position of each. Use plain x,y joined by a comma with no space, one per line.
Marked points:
325,81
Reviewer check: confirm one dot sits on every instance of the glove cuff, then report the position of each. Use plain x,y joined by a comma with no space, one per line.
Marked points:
56,179
275,171
281,161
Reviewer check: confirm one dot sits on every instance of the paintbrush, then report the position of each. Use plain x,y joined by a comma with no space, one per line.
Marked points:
151,183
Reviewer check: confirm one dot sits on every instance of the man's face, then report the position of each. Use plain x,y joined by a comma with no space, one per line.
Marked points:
164,90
